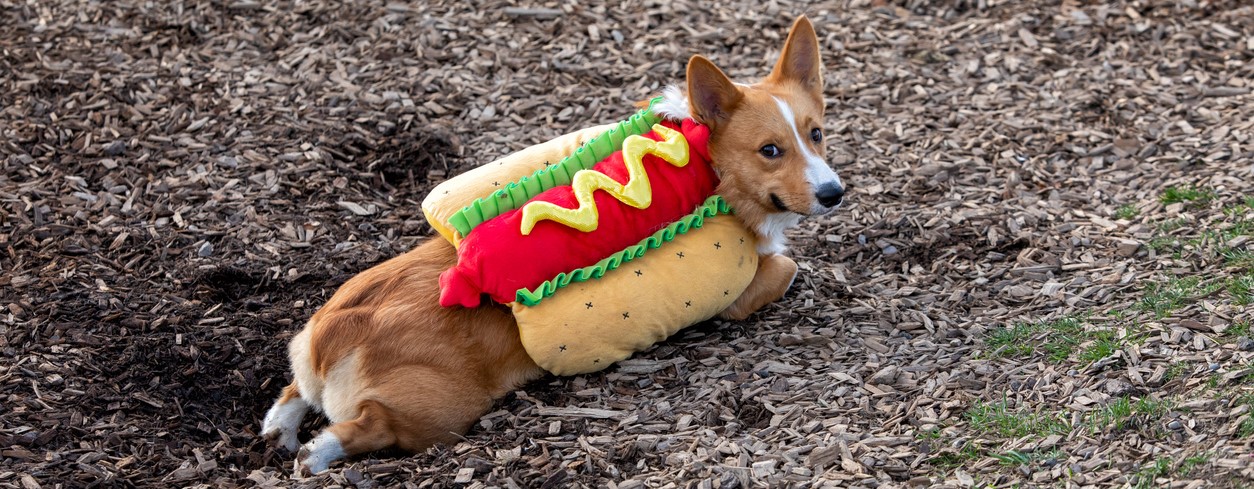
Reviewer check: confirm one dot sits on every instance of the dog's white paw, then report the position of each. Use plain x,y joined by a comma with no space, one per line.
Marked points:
283,438
282,423
318,454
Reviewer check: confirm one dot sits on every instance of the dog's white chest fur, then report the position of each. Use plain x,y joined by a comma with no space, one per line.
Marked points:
771,231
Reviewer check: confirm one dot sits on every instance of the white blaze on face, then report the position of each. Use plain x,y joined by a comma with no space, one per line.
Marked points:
817,171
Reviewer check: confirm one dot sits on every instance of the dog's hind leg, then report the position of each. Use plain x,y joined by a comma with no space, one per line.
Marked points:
283,419
366,433
411,407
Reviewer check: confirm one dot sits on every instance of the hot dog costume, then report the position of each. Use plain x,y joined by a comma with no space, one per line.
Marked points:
602,241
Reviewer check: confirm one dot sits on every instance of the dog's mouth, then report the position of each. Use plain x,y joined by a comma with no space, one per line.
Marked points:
815,210
779,203
820,210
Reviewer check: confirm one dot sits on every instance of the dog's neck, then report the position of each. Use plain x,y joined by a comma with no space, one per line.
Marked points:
771,239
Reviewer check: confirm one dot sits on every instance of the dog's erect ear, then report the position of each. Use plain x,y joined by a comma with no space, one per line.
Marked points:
800,60
711,94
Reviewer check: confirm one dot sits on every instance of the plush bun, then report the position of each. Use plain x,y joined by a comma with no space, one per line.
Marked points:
586,326
450,197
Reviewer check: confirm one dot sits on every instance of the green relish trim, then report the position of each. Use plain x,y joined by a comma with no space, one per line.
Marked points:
713,206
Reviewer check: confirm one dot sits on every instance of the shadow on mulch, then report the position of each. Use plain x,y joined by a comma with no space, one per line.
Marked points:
164,357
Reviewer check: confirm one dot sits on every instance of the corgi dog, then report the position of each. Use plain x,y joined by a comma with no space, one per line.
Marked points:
390,367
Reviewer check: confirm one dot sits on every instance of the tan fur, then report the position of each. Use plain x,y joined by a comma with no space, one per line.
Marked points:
290,392
775,274
390,367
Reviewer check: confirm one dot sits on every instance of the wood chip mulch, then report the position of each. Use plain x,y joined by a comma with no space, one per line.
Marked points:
183,183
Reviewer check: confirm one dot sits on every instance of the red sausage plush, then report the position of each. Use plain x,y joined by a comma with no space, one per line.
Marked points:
497,259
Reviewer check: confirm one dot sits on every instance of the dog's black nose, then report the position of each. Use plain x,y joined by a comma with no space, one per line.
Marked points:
830,194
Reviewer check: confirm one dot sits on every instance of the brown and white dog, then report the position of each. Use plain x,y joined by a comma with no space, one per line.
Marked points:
390,367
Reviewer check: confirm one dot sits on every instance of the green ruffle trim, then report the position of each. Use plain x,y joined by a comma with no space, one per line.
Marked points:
515,194
713,206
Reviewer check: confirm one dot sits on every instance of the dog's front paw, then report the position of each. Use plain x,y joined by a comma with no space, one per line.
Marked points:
781,269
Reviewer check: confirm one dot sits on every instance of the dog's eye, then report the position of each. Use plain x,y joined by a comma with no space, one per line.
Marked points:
816,135
771,151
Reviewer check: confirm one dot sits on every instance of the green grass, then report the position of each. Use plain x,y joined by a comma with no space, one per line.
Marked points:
1238,328
1162,467
1112,415
1241,289
1175,195
963,457
1214,243
1241,258
1144,478
1189,464
1013,458
1172,224
1011,341
1126,211
1210,239
1162,243
1120,413
1247,204
1177,370
1238,258
1224,231
997,418
1104,344
1241,227
1153,407
1207,237
1247,427
1057,339
1164,298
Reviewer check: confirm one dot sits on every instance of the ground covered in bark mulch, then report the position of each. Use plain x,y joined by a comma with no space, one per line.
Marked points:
1042,277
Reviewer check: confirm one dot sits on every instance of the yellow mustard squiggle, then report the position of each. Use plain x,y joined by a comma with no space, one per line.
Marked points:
637,192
